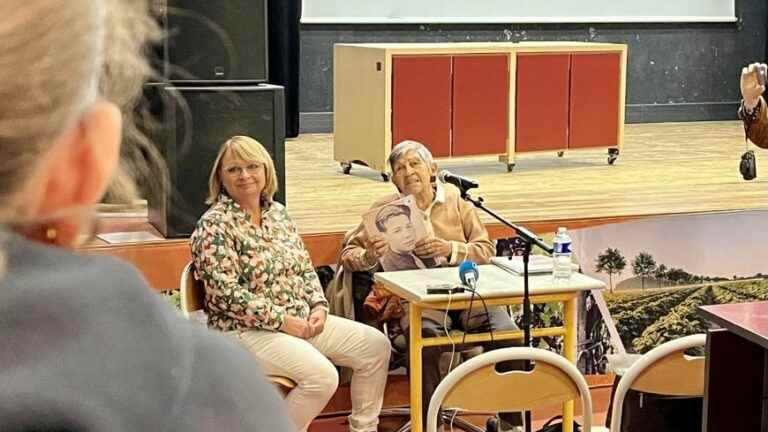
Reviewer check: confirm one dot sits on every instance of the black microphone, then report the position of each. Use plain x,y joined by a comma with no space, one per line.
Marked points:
460,182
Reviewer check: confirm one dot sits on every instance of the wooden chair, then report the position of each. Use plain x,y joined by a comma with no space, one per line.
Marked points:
665,370
193,299
191,290
475,385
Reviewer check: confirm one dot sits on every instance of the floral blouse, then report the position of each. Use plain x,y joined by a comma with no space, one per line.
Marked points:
253,276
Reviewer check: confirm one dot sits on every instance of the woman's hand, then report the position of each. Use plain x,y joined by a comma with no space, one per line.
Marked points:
317,321
296,327
750,88
432,247
375,247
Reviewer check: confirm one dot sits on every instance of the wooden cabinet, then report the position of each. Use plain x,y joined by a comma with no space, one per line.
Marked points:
421,102
455,105
595,88
480,104
567,101
542,110
470,99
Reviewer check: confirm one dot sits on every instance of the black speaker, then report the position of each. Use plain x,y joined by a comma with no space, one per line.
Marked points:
193,122
214,40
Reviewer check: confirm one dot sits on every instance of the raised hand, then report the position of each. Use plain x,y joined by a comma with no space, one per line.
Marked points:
751,89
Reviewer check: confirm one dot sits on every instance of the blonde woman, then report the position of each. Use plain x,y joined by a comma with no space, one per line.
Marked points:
86,345
261,287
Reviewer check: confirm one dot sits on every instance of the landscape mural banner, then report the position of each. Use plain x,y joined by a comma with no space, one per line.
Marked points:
657,272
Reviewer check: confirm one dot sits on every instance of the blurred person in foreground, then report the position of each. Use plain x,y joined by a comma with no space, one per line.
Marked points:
86,345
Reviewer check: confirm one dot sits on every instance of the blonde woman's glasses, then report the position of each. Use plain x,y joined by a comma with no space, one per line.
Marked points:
237,171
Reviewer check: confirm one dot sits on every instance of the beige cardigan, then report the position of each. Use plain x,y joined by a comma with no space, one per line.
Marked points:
450,217
339,290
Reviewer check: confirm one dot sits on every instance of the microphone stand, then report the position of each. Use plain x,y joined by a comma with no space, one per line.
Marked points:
526,240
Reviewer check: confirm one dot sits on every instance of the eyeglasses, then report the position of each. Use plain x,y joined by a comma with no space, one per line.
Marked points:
237,171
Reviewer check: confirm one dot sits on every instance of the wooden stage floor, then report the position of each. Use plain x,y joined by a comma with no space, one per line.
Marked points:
664,168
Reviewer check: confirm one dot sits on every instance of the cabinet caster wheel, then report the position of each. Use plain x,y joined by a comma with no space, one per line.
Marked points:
492,424
560,153
510,167
613,154
346,167
385,176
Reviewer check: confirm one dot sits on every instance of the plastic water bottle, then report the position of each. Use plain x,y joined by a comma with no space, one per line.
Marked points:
561,257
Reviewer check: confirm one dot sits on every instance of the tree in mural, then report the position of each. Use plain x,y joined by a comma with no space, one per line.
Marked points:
677,276
612,262
660,273
643,265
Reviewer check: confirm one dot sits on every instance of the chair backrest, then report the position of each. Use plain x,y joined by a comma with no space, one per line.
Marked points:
192,291
193,299
665,370
476,385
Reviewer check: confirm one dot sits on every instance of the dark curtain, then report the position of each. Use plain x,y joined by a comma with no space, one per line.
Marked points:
283,23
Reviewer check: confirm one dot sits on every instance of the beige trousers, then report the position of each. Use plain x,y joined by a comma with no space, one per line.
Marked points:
310,363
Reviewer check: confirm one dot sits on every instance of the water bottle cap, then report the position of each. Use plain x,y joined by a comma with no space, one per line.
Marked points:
561,230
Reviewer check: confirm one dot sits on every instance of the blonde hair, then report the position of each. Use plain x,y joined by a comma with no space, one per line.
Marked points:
249,150
56,58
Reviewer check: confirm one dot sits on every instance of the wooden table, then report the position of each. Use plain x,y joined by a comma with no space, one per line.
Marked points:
735,394
497,287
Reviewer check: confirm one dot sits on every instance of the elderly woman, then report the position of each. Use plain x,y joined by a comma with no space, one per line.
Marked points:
261,287
455,233
87,346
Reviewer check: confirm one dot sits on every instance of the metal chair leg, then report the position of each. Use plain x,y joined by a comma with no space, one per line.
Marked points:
446,415
449,415
464,425
406,427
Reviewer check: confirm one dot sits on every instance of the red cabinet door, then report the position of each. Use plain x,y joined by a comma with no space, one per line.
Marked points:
480,104
595,86
541,112
421,101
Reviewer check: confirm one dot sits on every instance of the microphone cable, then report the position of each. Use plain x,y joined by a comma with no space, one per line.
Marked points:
448,333
469,312
467,316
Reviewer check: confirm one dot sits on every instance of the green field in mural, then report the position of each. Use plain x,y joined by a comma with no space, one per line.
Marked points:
648,318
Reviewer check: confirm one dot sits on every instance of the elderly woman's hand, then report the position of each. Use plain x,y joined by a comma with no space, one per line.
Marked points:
750,88
296,327
431,247
375,248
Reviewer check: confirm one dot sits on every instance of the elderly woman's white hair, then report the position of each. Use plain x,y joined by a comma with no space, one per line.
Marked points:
404,147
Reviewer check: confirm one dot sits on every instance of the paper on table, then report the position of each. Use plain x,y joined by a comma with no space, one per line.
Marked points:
537,264
128,237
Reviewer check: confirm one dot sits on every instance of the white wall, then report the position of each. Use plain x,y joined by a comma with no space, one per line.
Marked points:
516,11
